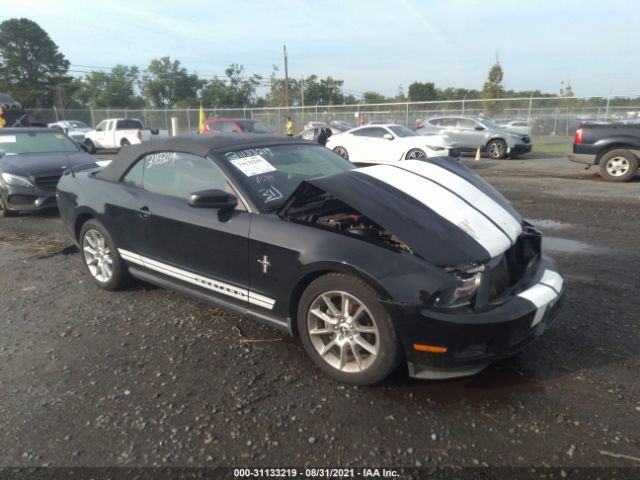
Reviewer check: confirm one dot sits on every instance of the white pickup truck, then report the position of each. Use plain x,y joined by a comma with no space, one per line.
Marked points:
114,133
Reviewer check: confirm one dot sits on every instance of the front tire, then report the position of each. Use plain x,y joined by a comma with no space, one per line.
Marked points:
346,331
100,256
497,149
91,148
416,154
618,165
342,152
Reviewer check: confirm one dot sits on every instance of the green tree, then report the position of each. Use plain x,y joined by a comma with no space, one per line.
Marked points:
116,88
167,84
373,97
493,88
237,90
400,96
422,92
31,67
327,91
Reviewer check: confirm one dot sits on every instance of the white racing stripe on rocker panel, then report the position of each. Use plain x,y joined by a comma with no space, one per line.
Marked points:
469,192
204,282
445,204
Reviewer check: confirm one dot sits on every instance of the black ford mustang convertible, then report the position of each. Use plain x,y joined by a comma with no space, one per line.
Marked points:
421,261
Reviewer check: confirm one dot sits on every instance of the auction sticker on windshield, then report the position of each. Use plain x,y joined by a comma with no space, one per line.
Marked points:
7,139
252,166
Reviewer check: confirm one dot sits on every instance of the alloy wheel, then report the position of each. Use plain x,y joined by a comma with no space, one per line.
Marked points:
342,152
416,154
343,331
97,256
496,150
617,166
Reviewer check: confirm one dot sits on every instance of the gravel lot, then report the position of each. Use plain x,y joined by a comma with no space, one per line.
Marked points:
149,377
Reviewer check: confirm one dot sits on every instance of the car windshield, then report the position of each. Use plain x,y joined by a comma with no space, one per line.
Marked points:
271,174
77,124
253,127
35,142
401,131
489,123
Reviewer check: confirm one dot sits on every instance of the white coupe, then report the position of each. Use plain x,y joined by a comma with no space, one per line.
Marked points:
388,144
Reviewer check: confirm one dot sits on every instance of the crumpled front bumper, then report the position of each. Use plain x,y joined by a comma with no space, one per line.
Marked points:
474,340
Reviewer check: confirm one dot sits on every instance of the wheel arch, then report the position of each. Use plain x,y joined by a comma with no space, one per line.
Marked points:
614,146
80,220
493,139
318,270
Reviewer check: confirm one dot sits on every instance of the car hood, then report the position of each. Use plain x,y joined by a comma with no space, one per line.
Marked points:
440,208
35,164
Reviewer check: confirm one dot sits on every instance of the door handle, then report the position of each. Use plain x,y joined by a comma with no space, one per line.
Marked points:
144,212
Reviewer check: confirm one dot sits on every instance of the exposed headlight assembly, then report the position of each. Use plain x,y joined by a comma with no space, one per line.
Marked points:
469,281
16,180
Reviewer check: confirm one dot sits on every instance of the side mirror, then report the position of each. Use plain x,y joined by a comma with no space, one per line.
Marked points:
479,128
388,136
213,199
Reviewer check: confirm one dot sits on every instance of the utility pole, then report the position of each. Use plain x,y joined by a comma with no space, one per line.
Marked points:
302,96
286,79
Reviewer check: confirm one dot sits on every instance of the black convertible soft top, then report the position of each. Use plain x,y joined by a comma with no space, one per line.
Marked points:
199,145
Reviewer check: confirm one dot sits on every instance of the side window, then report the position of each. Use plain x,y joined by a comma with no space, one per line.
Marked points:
375,132
180,174
101,126
129,124
215,127
448,122
467,124
133,177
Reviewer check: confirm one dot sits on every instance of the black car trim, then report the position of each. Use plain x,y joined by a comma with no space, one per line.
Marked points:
199,280
270,320
458,194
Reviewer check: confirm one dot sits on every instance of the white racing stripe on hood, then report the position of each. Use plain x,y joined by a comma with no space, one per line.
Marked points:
445,204
469,192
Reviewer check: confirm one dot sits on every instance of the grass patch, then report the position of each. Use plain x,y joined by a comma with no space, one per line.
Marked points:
552,147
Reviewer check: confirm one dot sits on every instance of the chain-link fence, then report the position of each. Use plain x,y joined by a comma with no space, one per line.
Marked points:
546,115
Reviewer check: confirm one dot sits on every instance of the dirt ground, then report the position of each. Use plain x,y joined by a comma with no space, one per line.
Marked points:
150,377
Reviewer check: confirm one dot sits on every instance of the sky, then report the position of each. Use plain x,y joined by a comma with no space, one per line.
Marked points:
372,45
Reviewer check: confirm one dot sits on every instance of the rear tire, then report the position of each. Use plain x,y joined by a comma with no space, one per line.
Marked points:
124,142
100,257
91,148
342,152
346,331
618,165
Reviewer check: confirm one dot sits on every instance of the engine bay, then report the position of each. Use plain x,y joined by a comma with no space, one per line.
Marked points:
327,212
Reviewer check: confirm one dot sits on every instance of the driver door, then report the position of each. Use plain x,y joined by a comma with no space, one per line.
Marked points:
197,246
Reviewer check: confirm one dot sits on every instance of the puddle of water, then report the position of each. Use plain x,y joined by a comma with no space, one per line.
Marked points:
564,245
549,224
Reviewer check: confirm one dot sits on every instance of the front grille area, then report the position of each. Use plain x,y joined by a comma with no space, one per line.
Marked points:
514,263
48,183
